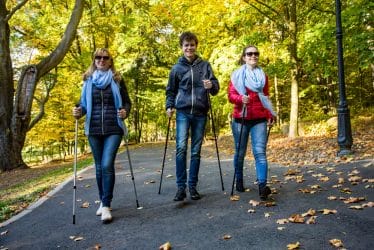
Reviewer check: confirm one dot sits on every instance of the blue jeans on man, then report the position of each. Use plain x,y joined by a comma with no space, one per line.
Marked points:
185,124
104,150
258,131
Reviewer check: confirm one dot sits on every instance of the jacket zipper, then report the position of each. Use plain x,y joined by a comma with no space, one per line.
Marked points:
102,112
192,95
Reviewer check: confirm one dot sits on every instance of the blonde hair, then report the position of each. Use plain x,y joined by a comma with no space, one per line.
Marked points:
92,67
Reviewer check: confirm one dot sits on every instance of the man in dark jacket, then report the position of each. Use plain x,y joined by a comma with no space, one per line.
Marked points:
191,81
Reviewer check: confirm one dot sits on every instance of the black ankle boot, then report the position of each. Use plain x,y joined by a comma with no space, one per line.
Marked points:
181,194
240,186
264,191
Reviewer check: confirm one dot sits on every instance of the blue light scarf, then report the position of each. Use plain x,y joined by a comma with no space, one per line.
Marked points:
101,80
253,79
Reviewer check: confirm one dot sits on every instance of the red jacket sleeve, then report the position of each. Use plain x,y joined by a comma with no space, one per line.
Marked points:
233,95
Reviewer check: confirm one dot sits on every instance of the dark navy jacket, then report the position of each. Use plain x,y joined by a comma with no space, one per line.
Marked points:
104,115
185,90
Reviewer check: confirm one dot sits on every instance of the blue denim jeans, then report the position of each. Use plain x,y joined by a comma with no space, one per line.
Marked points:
258,131
104,150
196,123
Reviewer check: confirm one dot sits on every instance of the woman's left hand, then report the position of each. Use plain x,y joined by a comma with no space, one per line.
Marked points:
207,84
121,113
272,120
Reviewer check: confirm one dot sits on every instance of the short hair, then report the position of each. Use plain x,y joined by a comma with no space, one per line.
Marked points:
187,36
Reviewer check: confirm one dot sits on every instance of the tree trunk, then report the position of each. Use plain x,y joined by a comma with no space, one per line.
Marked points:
15,120
6,92
293,132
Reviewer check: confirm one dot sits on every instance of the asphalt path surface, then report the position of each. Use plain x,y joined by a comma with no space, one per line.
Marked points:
215,221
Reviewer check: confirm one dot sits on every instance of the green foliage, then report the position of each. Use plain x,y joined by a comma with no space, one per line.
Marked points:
143,37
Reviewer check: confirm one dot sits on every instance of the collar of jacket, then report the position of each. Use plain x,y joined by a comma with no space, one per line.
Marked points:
183,60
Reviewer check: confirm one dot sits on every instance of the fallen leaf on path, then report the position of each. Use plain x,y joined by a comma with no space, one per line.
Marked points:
291,172
293,246
4,232
281,228
311,220
267,215
300,179
324,179
355,178
368,180
328,211
166,246
87,185
354,172
346,190
169,176
305,190
251,211
76,238
318,175
341,180
85,204
354,200
357,207
227,237
254,203
336,242
97,246
337,186
369,204
282,221
332,198
209,215
270,204
310,212
296,218
235,198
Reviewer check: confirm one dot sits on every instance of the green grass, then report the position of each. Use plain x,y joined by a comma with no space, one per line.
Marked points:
17,197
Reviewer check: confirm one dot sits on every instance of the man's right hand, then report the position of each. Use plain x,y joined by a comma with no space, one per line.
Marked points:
169,112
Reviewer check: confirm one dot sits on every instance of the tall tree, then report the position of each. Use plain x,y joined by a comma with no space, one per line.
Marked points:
285,16
15,106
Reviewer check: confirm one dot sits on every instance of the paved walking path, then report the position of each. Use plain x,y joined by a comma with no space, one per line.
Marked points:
214,222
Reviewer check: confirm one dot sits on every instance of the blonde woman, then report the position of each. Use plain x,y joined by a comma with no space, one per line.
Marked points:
105,103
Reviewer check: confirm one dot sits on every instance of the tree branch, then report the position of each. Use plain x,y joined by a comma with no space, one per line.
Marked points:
18,6
274,11
53,59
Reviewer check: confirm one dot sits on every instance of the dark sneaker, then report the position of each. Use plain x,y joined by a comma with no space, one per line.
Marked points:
194,194
264,191
181,194
240,186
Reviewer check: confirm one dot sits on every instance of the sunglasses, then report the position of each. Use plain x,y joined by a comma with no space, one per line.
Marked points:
105,58
252,53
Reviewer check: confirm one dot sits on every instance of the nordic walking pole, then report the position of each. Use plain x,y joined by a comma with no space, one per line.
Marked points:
163,160
239,142
75,166
215,139
132,173
267,140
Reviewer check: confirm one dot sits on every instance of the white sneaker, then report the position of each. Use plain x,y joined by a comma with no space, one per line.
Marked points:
106,217
98,212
